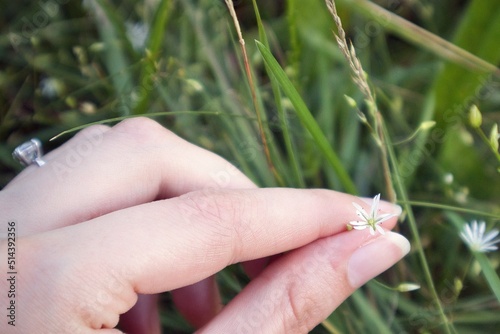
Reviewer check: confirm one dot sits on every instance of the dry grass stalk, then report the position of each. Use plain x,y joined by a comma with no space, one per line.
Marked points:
349,53
232,12
359,78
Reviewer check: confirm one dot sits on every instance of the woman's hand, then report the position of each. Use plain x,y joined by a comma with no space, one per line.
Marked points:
119,214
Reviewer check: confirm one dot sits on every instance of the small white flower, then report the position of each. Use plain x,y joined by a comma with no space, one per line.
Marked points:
448,178
137,33
473,235
372,220
51,87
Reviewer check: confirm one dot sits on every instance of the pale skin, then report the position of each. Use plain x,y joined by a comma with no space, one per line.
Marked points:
118,215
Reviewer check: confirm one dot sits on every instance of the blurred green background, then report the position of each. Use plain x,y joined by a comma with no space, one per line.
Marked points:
67,63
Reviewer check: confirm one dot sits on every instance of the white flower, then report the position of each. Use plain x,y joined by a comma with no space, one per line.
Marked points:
473,235
372,220
51,87
137,34
448,178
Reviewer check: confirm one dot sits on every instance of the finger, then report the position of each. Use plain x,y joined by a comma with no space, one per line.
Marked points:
102,170
298,291
171,243
255,267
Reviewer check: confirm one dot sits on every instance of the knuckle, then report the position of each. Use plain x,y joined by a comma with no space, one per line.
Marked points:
143,131
299,310
296,318
93,130
221,212
140,125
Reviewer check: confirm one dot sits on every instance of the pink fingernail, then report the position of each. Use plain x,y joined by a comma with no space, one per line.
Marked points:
376,257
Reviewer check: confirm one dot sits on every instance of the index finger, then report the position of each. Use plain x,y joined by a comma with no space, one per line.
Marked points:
171,243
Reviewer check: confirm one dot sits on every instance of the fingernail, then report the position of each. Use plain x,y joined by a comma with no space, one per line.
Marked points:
396,209
376,257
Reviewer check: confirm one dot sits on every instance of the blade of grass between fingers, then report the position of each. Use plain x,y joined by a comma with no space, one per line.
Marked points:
307,119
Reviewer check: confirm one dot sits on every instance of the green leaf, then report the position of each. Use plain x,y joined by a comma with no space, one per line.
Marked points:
307,119
112,32
289,145
478,33
153,47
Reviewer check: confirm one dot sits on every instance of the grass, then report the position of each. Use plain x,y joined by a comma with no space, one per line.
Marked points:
281,115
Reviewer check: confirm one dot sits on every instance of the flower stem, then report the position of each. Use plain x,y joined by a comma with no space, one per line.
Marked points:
414,230
487,142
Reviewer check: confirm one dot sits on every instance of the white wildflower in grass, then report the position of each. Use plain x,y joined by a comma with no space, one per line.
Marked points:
137,34
473,234
51,87
372,220
448,178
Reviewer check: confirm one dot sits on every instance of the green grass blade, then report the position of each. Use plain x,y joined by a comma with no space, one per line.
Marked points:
479,33
403,194
489,273
112,33
291,15
369,313
452,208
240,131
121,118
289,146
421,37
307,119
153,47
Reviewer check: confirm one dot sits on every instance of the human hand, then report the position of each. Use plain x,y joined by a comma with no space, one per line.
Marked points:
133,210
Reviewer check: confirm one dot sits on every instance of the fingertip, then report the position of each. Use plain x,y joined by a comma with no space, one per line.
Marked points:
375,257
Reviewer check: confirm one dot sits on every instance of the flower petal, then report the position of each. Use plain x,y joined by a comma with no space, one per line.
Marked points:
380,229
385,217
357,223
374,208
490,236
360,227
360,211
